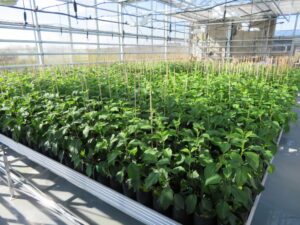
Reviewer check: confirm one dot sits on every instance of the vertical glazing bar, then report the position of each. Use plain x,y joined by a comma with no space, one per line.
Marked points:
38,33
189,40
292,50
97,27
152,26
137,26
228,43
35,37
121,31
70,33
165,33
267,39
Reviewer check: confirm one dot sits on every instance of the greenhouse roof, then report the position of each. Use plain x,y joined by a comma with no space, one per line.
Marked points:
205,11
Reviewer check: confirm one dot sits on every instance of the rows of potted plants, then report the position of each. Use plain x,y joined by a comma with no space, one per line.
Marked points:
191,141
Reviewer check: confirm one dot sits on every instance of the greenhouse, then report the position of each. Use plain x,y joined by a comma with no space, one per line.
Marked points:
156,112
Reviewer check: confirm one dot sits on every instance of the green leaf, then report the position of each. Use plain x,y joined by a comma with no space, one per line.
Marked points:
252,159
210,170
178,169
205,158
222,209
206,205
250,134
145,126
224,146
268,154
151,179
167,152
133,171
120,175
236,160
271,168
150,156
89,170
103,144
112,156
166,198
185,150
215,179
232,219
227,171
86,131
178,201
74,146
241,176
242,195
194,175
163,162
190,203
133,151
181,160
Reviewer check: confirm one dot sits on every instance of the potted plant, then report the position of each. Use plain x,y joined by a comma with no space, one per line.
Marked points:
162,200
205,214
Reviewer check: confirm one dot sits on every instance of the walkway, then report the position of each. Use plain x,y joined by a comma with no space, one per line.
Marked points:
280,202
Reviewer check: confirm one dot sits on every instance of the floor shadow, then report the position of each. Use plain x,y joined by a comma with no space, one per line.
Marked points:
81,203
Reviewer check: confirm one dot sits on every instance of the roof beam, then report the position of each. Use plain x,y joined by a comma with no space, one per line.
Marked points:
280,11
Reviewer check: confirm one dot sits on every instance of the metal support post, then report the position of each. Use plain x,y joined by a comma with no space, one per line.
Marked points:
267,38
35,37
292,50
152,25
70,33
7,170
166,19
137,26
97,27
121,31
228,44
38,35
189,41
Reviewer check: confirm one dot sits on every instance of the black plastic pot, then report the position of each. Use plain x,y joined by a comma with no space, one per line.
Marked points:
144,198
81,169
67,161
201,220
103,179
45,152
158,208
245,216
181,216
129,192
115,185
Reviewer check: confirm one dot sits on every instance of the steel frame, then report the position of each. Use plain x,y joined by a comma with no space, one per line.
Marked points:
187,16
121,47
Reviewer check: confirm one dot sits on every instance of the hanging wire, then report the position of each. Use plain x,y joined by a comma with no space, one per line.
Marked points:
69,15
57,5
77,17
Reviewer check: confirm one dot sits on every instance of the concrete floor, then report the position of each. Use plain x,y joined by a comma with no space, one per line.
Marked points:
280,202
26,209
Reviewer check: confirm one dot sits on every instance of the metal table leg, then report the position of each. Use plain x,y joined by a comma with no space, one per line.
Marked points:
7,169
